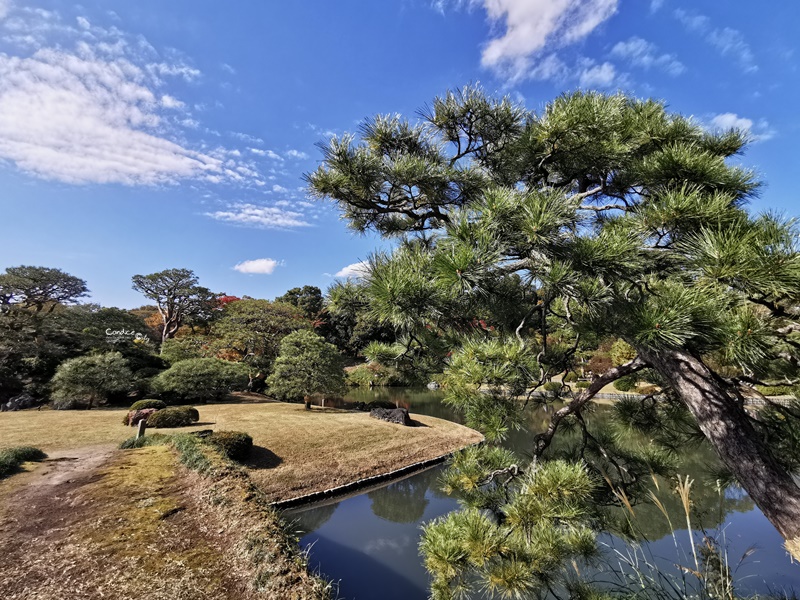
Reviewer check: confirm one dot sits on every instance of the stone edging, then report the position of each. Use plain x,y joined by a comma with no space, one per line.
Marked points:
365,482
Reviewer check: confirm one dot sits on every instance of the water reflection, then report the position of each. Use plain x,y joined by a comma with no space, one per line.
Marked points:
369,541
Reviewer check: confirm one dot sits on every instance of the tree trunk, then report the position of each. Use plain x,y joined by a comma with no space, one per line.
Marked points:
726,425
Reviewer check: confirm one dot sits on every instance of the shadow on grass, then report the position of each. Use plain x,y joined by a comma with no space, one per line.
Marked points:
262,458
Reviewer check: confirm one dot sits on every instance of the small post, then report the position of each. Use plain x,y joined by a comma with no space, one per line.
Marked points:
142,427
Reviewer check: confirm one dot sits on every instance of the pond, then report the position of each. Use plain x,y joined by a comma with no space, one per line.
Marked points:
368,543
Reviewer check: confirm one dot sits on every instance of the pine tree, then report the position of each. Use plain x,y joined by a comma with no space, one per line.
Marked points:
621,219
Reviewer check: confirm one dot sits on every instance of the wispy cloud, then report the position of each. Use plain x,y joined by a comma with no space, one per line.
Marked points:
597,76
759,131
532,30
94,108
296,154
259,266
355,270
261,217
728,42
641,53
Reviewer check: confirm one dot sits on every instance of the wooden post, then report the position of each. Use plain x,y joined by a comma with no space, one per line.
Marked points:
142,427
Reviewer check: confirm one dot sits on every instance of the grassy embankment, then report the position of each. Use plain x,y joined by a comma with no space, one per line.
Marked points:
296,452
138,524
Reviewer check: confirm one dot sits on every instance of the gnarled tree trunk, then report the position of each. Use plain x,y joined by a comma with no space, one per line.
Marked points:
725,424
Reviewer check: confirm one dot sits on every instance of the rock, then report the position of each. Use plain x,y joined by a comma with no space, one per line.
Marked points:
394,415
433,385
20,402
135,416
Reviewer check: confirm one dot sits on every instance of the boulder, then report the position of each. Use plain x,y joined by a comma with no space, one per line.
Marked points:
393,415
20,402
135,416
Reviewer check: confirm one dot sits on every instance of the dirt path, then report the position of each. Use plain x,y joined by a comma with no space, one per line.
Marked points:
101,523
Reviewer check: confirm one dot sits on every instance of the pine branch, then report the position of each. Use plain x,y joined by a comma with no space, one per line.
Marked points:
543,440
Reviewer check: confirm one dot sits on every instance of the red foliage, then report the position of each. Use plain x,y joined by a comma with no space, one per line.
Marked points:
224,300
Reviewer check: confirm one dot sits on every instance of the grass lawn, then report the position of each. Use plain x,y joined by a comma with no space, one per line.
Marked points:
297,451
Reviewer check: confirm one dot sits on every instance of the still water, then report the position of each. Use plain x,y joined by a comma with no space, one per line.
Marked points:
368,543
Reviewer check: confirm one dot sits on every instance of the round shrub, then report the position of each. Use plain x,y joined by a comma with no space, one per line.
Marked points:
236,445
582,385
625,384
202,379
552,386
570,377
148,403
176,416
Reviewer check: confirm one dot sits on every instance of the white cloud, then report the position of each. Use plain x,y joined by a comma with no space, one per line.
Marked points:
260,266
93,113
759,132
655,5
5,6
168,101
296,154
279,189
262,217
531,26
356,270
729,42
598,76
532,30
641,53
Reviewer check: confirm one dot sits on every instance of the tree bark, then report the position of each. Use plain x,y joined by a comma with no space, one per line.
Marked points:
725,424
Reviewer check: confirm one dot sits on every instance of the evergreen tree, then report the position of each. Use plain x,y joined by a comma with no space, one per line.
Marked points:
621,219
306,366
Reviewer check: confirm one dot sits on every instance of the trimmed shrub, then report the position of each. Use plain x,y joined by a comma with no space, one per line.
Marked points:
570,377
236,445
148,403
552,386
202,379
582,385
625,384
176,416
12,458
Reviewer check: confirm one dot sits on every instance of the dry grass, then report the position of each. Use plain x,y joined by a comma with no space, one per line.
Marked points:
140,527
298,451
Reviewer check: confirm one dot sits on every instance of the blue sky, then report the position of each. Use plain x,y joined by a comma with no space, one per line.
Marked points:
139,136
